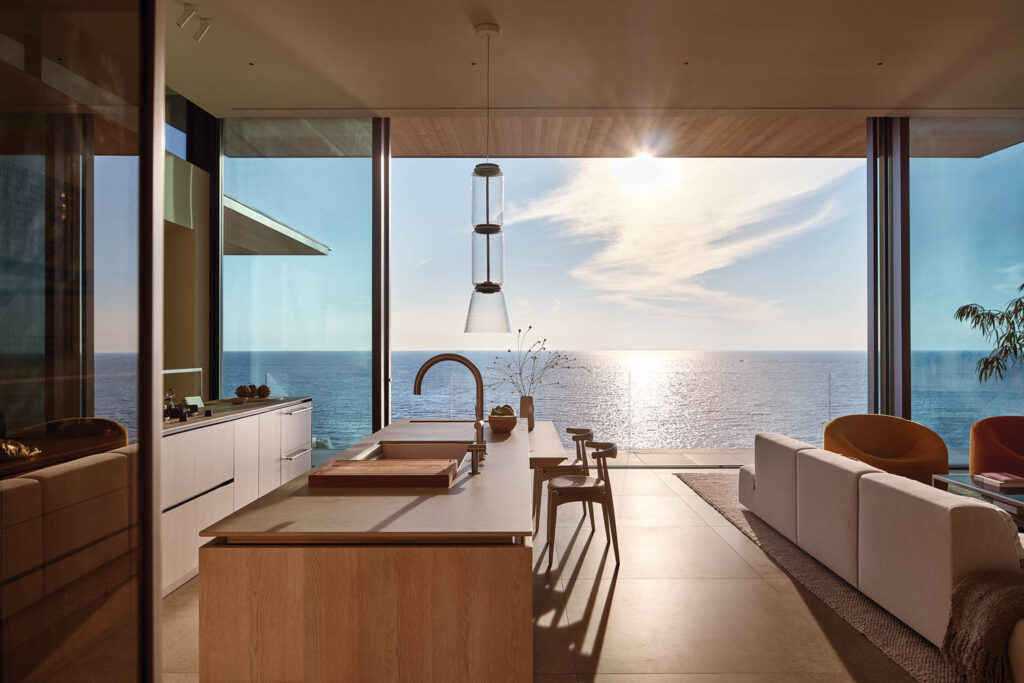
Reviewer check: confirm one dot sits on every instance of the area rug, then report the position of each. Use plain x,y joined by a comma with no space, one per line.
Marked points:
899,642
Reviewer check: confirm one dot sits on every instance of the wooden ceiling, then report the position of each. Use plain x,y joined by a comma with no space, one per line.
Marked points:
415,58
611,136
626,136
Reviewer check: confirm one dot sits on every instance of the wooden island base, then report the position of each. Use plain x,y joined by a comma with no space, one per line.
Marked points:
365,613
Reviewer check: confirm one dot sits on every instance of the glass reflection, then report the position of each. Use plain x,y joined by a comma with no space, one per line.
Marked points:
69,224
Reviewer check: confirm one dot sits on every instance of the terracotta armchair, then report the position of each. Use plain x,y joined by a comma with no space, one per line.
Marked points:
889,443
997,445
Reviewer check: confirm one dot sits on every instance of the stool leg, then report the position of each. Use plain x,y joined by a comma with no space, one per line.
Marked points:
552,511
536,499
611,520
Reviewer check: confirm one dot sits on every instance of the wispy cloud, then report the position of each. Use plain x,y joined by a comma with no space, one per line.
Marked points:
1014,277
422,261
662,224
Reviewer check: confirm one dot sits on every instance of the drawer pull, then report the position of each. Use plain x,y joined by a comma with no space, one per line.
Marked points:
302,410
297,455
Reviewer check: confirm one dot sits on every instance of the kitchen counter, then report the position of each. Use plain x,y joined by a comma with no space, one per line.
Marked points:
382,584
492,506
225,411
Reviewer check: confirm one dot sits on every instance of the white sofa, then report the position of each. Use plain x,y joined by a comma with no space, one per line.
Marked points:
900,542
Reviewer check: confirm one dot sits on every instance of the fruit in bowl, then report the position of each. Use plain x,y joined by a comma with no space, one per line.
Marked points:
502,419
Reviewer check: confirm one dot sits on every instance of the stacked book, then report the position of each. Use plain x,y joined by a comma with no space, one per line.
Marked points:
1003,482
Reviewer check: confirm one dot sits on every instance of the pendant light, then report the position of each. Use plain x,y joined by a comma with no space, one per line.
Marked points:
487,310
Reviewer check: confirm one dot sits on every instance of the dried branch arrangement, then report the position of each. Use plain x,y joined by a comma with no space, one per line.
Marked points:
529,365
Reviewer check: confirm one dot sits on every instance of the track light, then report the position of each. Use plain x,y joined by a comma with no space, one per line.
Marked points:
204,28
186,15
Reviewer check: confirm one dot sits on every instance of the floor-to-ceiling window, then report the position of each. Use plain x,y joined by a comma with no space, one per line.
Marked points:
700,300
73,493
967,246
296,311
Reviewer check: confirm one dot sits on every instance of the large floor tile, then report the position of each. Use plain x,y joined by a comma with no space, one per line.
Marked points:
664,458
749,551
710,515
636,511
638,482
552,640
181,629
670,552
693,626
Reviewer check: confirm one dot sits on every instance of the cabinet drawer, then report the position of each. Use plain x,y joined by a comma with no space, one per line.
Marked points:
179,534
292,465
195,461
296,428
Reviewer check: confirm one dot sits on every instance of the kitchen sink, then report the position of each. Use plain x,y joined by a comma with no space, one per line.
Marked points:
416,450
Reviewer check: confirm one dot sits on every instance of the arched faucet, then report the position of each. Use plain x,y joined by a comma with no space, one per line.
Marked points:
478,449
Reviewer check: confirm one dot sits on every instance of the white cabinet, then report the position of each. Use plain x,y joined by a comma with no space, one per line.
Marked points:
247,460
210,471
194,462
270,452
296,441
285,445
179,534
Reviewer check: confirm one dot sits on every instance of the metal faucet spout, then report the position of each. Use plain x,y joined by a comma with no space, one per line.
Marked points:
480,447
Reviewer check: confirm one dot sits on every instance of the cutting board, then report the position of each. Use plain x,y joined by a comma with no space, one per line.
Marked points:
384,473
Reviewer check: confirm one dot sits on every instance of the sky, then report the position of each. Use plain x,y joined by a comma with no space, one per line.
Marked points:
641,253
699,254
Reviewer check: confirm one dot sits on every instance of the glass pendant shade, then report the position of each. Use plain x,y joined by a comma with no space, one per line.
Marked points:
488,196
488,258
487,312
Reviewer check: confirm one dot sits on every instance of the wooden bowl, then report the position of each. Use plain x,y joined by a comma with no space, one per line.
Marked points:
502,424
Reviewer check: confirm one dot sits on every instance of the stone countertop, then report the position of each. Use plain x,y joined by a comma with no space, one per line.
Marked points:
493,506
225,411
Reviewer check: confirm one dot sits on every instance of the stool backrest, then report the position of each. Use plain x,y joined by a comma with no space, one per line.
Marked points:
602,451
580,436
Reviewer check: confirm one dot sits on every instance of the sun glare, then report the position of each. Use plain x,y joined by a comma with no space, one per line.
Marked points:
645,174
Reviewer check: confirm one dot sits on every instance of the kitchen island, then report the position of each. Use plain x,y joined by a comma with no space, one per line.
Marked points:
377,584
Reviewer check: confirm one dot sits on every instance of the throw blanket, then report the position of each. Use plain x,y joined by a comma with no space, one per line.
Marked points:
986,605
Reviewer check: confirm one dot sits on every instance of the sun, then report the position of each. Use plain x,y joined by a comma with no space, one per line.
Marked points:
646,175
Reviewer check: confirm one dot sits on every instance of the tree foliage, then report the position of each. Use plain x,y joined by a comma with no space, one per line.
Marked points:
1003,329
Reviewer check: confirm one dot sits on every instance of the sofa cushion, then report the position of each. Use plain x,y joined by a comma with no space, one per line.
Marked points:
79,480
20,501
916,542
748,488
827,504
775,478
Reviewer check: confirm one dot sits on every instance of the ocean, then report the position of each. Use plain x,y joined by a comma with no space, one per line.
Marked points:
638,399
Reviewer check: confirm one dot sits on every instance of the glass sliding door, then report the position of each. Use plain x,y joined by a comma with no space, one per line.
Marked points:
702,300
297,268
967,246
72,537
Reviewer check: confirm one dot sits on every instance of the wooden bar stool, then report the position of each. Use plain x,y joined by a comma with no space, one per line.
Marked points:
580,436
590,490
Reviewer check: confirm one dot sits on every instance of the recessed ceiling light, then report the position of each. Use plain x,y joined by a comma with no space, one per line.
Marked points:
643,154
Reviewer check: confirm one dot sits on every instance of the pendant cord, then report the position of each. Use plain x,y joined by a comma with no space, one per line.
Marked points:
487,144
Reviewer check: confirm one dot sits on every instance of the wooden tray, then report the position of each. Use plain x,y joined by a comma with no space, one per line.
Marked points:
384,473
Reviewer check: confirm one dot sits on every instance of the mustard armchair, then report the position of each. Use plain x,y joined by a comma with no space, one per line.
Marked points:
891,444
997,445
